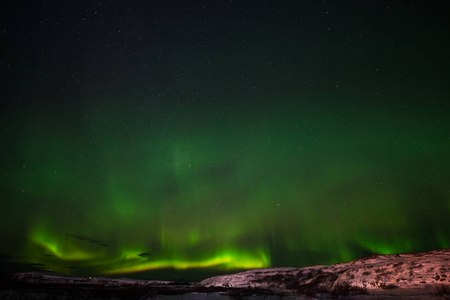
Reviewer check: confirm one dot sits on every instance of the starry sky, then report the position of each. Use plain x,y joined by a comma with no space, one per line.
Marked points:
184,139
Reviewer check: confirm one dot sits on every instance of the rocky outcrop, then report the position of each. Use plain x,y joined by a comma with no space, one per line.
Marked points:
411,270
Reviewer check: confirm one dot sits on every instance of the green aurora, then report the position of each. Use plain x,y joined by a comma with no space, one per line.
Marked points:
206,172
245,188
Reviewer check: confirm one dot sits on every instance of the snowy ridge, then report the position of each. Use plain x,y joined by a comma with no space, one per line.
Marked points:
412,270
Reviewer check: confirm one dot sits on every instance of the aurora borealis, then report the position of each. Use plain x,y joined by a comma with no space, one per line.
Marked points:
174,141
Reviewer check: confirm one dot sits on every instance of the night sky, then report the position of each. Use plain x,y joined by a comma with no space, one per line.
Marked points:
184,139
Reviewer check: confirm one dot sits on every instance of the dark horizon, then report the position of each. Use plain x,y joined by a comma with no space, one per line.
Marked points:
186,139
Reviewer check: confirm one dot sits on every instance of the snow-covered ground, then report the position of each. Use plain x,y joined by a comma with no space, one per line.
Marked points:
411,271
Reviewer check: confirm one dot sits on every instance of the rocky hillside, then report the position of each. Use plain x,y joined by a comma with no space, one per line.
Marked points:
405,271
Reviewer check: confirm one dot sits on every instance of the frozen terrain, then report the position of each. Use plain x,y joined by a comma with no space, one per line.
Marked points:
413,274
424,275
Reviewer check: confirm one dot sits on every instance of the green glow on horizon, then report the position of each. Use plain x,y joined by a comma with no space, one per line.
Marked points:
393,246
130,261
227,259
444,240
64,252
